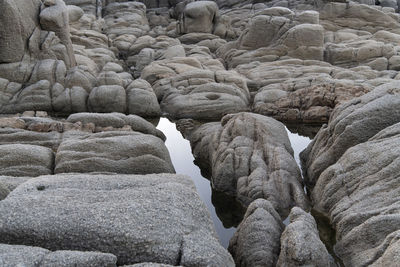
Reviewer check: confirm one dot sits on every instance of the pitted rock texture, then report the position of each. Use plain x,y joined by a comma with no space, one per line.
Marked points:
359,193
250,156
153,218
351,123
257,240
18,255
300,242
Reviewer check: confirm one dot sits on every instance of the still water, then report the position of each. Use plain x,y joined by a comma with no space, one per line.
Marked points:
225,211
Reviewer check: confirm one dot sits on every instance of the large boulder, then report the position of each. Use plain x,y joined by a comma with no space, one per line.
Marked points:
300,242
250,157
114,151
25,160
351,123
199,16
153,218
359,194
19,255
257,239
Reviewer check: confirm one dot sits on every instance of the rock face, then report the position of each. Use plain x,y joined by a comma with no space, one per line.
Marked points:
300,243
250,156
256,242
359,195
17,255
146,225
351,123
128,153
199,16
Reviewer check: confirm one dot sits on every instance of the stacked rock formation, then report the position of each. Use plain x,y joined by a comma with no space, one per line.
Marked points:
87,180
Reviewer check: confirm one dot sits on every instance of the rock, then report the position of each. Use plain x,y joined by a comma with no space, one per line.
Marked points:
107,98
359,195
141,99
300,242
199,16
250,157
25,160
115,152
154,218
11,182
18,20
256,241
189,89
351,123
117,120
4,191
18,255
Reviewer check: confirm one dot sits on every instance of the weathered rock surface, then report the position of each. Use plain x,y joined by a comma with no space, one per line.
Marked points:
118,152
351,123
4,191
18,255
359,193
188,88
257,240
25,160
250,156
154,218
300,242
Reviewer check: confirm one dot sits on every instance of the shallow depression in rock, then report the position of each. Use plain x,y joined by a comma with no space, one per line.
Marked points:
228,210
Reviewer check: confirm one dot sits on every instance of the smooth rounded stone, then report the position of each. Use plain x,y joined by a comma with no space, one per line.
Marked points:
257,238
148,264
141,99
115,152
25,160
107,98
19,20
117,120
19,255
250,157
351,123
4,191
68,100
300,242
139,218
74,13
198,16
359,194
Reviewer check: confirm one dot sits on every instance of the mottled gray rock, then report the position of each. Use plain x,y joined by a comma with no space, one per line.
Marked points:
151,218
250,156
359,194
20,136
300,242
256,241
19,255
351,123
4,191
148,264
107,98
190,88
25,160
117,120
115,152
199,16
141,99
12,182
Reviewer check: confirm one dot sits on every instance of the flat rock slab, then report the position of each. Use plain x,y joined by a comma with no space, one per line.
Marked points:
18,255
139,218
116,152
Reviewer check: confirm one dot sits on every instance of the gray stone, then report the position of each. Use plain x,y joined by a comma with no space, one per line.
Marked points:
19,255
199,16
300,242
250,156
115,152
12,182
351,123
107,98
4,191
141,99
359,194
151,218
25,160
256,241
